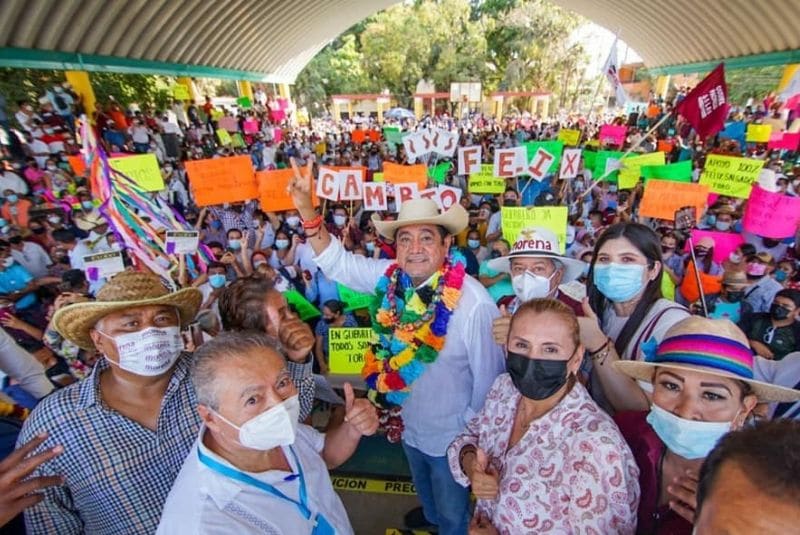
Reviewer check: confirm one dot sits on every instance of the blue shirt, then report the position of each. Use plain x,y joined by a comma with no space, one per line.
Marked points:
13,279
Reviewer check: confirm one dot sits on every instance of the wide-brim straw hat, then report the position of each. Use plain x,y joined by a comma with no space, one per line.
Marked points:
423,212
713,347
538,242
125,290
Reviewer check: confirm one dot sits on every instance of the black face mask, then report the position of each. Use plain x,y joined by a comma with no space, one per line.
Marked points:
495,254
328,320
38,230
536,378
769,243
779,312
16,240
509,202
735,297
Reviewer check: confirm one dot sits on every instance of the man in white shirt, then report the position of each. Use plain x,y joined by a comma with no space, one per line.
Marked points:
254,468
22,367
29,255
11,180
448,379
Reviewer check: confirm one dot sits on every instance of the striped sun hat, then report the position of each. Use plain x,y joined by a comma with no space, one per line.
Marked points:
715,347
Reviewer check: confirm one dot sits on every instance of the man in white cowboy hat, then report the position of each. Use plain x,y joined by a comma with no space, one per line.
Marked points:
537,269
435,356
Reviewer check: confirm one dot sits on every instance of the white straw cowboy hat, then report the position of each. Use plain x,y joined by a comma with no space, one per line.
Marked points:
538,242
715,347
423,212
125,290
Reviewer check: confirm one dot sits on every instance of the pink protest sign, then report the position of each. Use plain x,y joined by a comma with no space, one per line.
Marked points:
229,123
724,242
784,140
613,135
771,215
250,126
277,135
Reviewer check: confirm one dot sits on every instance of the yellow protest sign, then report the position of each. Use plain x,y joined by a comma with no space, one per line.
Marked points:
730,175
224,137
485,181
181,92
758,133
569,137
514,219
632,168
142,169
346,348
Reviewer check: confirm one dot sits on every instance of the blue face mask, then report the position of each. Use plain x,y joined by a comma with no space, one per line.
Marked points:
691,439
473,244
234,244
216,225
217,280
780,275
370,246
87,205
12,198
619,282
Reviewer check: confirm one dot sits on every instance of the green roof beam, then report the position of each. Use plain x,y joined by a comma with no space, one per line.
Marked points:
785,57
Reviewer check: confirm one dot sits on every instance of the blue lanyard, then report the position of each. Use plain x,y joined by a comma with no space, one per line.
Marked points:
232,473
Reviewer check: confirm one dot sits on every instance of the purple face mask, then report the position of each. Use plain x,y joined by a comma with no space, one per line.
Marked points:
755,269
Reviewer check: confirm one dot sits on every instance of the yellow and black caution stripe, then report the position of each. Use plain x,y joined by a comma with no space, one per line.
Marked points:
378,486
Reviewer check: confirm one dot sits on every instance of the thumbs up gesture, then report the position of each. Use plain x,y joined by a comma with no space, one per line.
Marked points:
359,413
501,326
483,477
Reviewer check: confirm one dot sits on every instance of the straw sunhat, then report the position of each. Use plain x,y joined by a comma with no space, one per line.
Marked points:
538,242
125,290
423,212
715,347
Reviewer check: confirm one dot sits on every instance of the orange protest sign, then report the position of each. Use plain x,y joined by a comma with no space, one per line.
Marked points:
653,110
358,136
401,174
221,180
374,136
77,164
273,190
662,198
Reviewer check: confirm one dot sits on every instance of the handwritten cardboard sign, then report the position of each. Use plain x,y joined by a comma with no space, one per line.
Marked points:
273,192
346,348
632,168
142,169
771,215
663,197
220,180
469,160
758,133
729,175
613,135
397,174
724,242
182,241
514,219
485,181
569,137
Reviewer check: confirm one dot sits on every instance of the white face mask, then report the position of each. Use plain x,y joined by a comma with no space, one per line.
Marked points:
274,427
293,220
691,439
150,352
339,220
531,286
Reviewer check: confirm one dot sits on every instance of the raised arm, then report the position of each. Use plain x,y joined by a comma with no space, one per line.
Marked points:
300,188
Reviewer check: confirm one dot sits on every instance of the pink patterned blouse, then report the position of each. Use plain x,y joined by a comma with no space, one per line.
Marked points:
572,472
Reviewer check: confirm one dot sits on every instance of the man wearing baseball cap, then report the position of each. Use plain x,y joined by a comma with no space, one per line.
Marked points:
537,269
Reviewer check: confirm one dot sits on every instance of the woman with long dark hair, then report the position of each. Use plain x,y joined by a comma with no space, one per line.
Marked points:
624,308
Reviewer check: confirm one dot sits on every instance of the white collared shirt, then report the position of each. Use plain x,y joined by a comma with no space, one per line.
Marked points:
203,501
453,388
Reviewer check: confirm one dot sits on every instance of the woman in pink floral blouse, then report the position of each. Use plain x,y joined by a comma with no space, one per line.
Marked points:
541,456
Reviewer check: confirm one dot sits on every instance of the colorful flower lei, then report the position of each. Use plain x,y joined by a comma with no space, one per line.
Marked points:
409,328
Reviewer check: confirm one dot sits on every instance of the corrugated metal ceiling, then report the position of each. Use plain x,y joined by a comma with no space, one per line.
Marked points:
276,38
693,31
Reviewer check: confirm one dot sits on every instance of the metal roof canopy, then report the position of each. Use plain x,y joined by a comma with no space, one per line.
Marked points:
265,40
686,36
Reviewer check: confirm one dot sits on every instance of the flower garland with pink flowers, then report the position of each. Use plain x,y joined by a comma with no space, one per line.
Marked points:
409,327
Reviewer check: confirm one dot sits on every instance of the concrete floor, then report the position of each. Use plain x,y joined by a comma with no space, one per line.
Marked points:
377,514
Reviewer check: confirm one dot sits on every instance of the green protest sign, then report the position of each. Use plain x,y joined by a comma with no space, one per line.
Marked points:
244,102
589,159
515,219
438,173
676,172
632,165
346,348
600,164
553,147
303,307
224,137
237,140
353,300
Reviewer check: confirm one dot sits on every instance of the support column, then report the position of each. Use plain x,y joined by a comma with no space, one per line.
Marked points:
545,107
350,109
245,89
185,80
379,110
337,111
498,108
662,86
419,108
79,80
788,73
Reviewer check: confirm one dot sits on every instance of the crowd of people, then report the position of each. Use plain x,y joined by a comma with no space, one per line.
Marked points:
622,384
